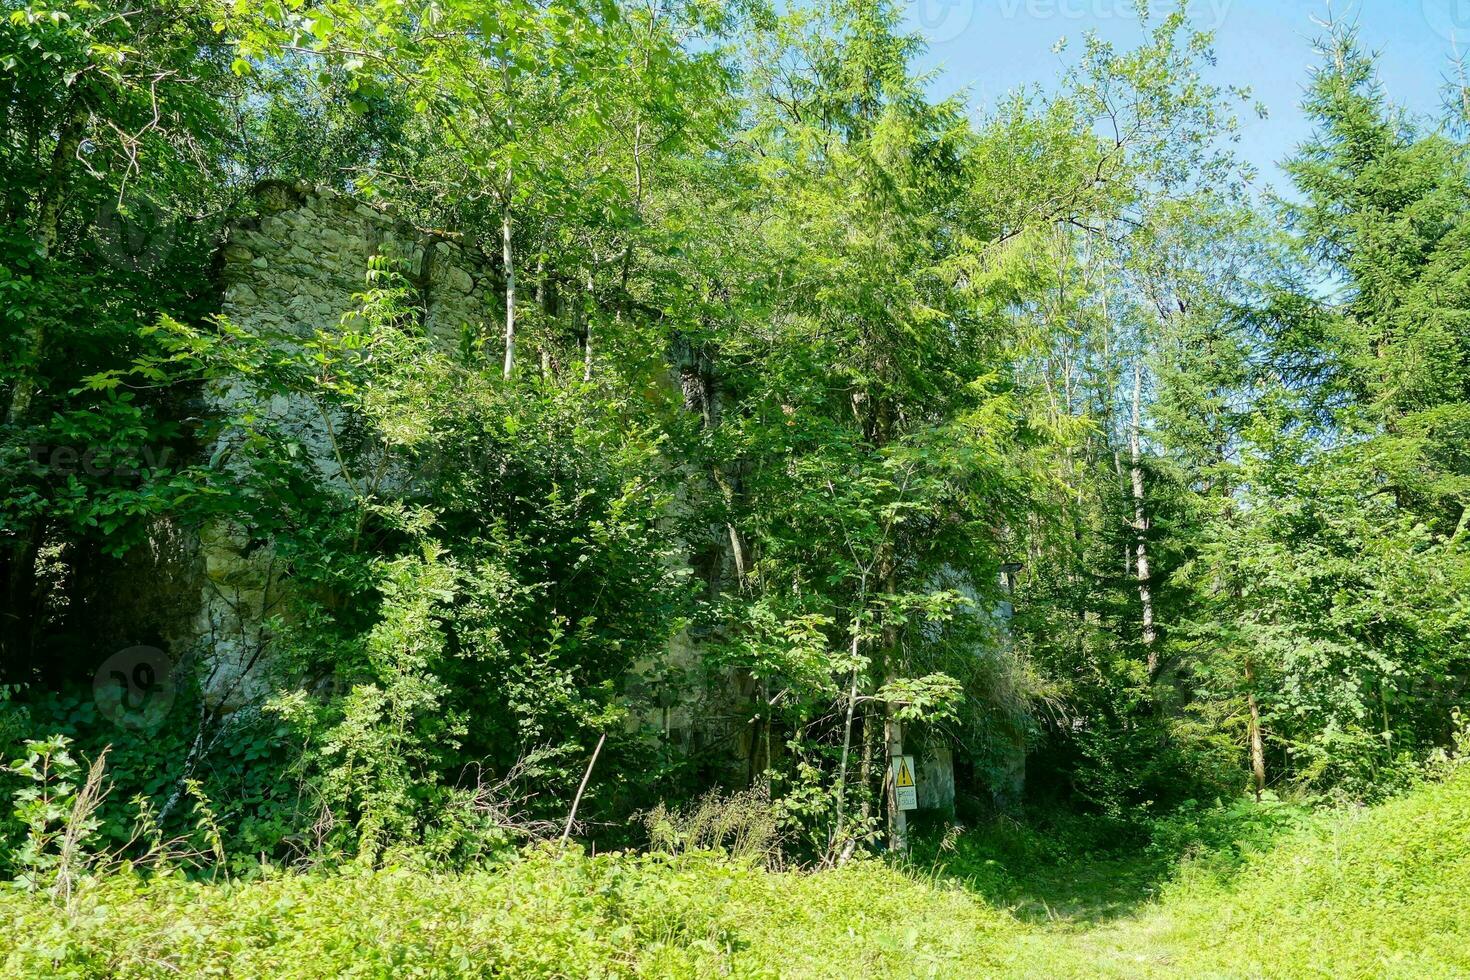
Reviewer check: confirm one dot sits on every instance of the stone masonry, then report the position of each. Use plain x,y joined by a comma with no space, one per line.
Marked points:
295,268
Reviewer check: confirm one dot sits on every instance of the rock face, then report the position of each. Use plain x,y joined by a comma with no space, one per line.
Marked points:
294,269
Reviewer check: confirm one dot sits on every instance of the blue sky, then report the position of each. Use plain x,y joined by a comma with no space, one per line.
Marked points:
990,47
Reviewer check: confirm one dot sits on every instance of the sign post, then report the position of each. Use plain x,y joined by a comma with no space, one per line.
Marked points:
905,792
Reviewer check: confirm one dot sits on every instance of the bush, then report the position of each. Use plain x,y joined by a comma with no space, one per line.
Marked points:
742,825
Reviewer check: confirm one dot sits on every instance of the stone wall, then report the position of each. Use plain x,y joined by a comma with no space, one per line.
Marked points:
298,263
294,268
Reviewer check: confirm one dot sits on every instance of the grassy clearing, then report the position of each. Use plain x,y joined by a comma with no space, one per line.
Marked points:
1367,893
1249,893
548,915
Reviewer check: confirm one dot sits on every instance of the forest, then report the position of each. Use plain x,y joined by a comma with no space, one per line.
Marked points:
523,487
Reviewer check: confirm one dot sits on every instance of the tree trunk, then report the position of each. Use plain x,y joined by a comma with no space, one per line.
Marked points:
865,779
587,333
838,819
1258,745
737,545
898,821
542,311
1140,525
507,256
582,788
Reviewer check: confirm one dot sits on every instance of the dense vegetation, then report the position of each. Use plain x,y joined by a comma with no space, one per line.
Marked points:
792,367
1370,893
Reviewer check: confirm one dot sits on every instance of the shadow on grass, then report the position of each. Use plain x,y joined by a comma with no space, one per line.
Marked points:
1078,872
1081,892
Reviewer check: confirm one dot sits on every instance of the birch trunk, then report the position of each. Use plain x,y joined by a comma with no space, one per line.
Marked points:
865,779
1140,524
838,822
507,256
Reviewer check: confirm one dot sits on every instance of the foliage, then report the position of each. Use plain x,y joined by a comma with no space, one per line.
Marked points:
741,825
611,915
1351,893
809,419
1370,888
63,855
46,807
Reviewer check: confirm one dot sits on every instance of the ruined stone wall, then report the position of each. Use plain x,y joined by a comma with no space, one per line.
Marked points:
296,265
294,268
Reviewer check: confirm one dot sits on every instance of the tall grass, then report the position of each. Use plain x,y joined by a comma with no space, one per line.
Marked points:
1367,893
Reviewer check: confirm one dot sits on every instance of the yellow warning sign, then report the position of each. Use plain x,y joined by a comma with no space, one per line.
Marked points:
905,793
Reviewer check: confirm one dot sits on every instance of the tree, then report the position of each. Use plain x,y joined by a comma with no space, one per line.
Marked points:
114,143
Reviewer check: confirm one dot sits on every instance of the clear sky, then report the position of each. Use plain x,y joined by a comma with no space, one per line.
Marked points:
989,47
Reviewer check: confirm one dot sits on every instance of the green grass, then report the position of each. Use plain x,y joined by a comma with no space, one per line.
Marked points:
1244,892
548,915
1367,893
